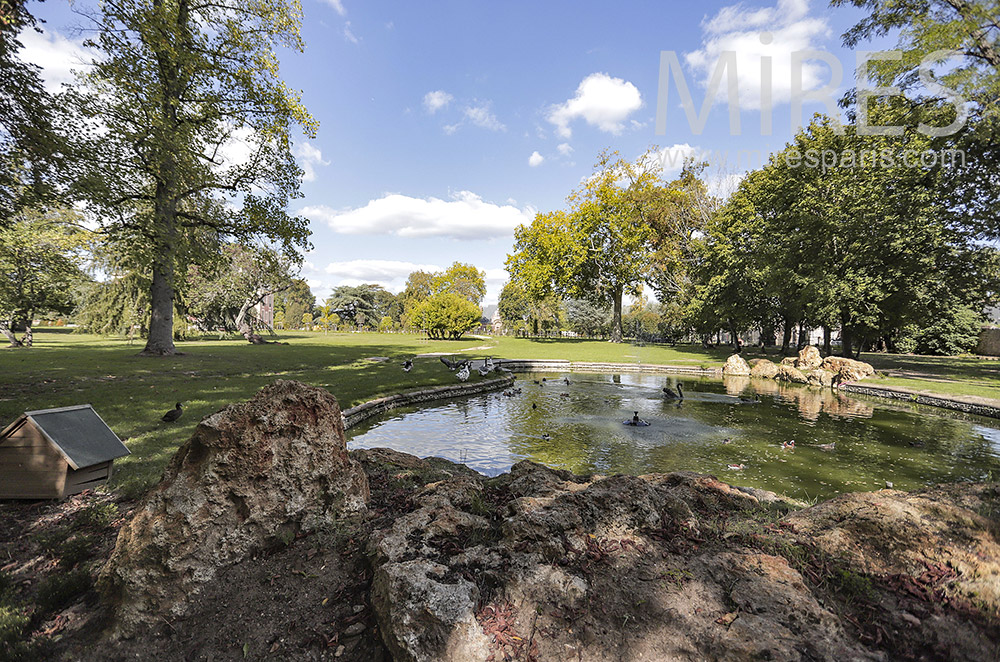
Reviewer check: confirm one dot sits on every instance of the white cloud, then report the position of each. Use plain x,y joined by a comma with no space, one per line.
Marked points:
465,216
337,5
565,149
436,100
786,26
481,116
314,284
672,158
370,271
56,55
348,35
451,128
238,149
600,100
535,159
309,158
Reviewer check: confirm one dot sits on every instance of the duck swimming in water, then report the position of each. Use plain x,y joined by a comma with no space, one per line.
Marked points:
669,392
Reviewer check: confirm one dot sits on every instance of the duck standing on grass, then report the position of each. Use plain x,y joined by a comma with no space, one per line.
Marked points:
407,365
463,374
173,414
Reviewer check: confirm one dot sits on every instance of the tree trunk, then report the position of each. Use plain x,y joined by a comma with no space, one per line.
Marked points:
846,338
14,342
161,322
616,320
786,338
244,327
29,337
826,341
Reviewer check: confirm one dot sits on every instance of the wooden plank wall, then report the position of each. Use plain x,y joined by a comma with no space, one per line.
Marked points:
86,478
30,468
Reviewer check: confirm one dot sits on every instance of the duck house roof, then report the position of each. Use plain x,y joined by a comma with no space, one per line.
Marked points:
78,433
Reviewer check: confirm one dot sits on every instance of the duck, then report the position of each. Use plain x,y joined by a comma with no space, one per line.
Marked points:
736,467
566,380
534,405
788,444
679,395
727,440
452,365
463,374
483,371
407,365
488,364
746,399
173,414
546,436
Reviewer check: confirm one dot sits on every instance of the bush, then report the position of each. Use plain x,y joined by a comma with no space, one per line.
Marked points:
955,331
447,315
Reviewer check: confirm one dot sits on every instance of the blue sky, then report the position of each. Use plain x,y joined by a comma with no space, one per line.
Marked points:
445,124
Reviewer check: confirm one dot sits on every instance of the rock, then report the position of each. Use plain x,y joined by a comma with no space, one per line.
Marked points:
735,365
939,544
789,361
809,358
764,369
820,378
787,373
252,476
425,616
573,567
848,370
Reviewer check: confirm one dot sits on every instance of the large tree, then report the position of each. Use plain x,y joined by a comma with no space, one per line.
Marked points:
600,248
178,89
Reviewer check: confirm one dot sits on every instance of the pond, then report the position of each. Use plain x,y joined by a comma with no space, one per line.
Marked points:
841,443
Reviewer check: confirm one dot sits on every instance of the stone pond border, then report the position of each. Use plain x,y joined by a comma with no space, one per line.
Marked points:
945,402
366,410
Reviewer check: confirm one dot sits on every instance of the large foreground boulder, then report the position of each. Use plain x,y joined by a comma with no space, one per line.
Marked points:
541,564
253,475
735,365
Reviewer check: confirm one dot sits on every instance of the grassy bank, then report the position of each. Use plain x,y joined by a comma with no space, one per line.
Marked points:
131,392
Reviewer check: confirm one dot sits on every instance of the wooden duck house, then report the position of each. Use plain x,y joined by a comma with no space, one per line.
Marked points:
52,453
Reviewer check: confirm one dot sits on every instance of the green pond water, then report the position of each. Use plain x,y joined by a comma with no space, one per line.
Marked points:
579,427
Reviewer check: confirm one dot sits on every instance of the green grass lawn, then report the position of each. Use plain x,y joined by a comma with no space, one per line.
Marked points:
132,392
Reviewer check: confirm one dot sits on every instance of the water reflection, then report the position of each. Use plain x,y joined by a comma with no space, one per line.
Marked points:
579,426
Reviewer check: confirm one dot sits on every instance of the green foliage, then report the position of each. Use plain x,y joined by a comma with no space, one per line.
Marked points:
233,284
953,331
447,315
588,318
31,146
369,302
117,306
465,280
39,268
597,249
98,515
294,302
